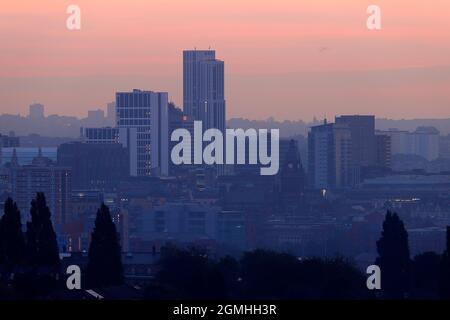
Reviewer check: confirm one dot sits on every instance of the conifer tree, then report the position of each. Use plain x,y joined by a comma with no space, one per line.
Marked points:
42,247
393,258
11,237
105,264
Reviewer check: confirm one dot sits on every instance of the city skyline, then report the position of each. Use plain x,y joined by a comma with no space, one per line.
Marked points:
185,153
320,59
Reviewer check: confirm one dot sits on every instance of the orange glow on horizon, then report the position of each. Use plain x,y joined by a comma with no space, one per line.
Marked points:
297,57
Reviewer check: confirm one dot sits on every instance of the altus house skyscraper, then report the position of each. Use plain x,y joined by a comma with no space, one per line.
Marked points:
203,88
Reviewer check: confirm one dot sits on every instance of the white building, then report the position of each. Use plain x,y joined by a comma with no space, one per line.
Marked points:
142,128
423,142
145,116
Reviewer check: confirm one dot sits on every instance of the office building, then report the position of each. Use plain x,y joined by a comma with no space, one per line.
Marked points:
347,173
126,137
145,115
203,88
330,160
321,157
95,166
383,150
362,129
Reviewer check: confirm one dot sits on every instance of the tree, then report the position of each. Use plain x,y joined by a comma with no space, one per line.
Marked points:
273,275
104,267
425,275
41,246
269,275
190,274
11,237
444,274
393,258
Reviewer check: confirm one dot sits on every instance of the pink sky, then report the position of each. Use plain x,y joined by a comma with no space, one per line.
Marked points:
291,59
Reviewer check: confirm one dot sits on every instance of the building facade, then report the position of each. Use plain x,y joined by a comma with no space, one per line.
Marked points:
330,161
95,166
423,142
145,113
362,130
43,175
321,157
203,88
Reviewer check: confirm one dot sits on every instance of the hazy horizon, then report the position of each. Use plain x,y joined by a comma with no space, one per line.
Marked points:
283,59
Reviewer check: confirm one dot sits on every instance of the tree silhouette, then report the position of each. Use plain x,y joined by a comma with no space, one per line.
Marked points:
273,275
444,274
41,246
425,275
11,237
104,267
2,254
393,258
39,275
190,274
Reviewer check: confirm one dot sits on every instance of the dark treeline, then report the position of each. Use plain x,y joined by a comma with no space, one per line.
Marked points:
260,274
30,263
30,266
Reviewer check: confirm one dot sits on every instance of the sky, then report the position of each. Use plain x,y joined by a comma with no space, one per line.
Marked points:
287,59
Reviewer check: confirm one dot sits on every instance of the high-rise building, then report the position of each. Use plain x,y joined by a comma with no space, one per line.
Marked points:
203,88
346,172
321,157
330,157
362,130
383,150
145,115
43,175
36,111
